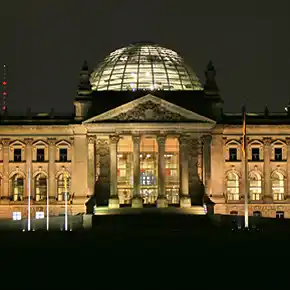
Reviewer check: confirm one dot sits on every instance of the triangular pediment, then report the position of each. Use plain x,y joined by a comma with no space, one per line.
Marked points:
149,108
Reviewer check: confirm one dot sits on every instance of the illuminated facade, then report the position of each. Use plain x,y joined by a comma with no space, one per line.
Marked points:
144,133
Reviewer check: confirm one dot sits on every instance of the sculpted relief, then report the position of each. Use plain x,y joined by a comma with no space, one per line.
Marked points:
149,111
102,160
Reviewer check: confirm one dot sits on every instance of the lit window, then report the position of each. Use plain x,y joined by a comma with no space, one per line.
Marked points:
40,184
39,215
255,186
16,215
17,155
277,179
17,187
232,184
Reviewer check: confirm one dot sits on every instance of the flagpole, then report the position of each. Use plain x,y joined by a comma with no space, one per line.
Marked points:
29,200
245,150
47,206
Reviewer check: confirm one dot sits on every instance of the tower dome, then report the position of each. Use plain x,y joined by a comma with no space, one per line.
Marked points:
144,66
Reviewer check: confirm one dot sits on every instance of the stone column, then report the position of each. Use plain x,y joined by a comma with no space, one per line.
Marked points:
91,165
287,195
207,163
200,163
51,169
5,189
267,170
161,200
114,198
137,201
28,156
185,200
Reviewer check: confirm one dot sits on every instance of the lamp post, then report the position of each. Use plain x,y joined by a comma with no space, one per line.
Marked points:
29,201
65,176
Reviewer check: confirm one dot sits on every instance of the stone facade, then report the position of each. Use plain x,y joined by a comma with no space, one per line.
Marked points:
144,149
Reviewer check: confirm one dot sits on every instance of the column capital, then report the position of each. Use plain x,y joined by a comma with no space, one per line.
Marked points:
288,141
184,140
91,139
267,141
114,139
51,141
28,141
161,139
206,138
136,139
5,141
72,140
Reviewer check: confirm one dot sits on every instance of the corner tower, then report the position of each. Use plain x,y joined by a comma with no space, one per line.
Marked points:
83,101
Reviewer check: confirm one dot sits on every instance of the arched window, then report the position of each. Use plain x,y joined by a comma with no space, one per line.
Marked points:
63,186
277,179
255,186
40,185
232,186
17,187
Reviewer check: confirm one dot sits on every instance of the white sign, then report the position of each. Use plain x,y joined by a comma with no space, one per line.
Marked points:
39,215
16,215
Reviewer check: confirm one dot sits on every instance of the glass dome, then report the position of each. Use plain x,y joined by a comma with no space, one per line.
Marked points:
144,66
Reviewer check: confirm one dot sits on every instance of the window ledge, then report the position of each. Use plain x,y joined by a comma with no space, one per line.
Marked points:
273,160
38,161
233,161
21,161
251,160
60,161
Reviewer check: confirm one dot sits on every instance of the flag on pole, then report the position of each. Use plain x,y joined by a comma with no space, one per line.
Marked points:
244,145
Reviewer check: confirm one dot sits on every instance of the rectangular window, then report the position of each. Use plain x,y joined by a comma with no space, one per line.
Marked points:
40,154
16,215
233,156
256,154
17,155
278,154
63,155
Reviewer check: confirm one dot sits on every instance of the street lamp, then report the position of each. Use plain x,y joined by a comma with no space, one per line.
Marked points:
65,176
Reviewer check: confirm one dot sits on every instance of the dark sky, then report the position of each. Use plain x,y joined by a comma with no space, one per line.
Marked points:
45,42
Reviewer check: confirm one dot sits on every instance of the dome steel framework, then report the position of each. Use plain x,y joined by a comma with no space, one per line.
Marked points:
144,66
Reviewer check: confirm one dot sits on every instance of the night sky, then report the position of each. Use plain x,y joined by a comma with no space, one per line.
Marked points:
44,44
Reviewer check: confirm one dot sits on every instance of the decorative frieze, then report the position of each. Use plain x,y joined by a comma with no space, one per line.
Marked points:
149,111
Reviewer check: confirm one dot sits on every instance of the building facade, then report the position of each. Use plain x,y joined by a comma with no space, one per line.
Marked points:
145,132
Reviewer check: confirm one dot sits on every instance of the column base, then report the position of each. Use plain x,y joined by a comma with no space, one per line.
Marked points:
114,202
137,202
162,202
87,221
185,201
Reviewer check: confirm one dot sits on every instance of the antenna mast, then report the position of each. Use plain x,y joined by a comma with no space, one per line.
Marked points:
5,91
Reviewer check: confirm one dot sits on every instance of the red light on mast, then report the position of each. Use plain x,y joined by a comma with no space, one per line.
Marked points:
4,83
